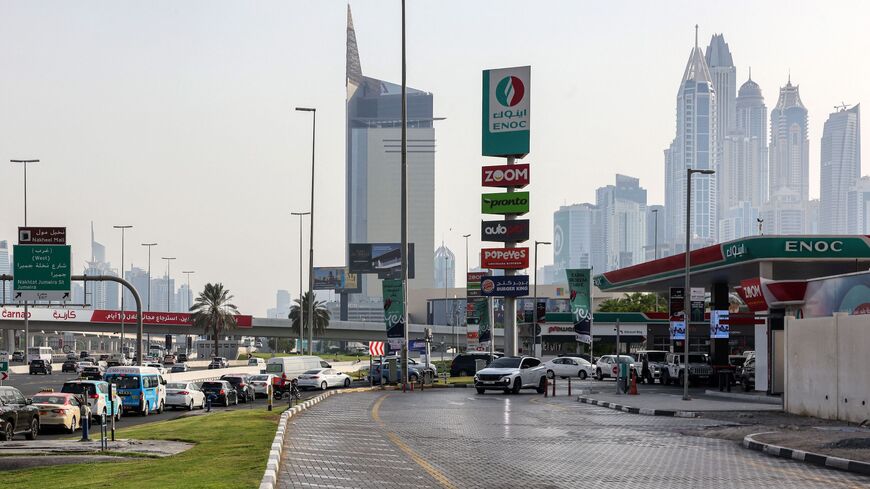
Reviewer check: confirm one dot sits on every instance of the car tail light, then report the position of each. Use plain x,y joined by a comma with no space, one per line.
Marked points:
58,411
614,370
94,396
243,385
183,393
222,392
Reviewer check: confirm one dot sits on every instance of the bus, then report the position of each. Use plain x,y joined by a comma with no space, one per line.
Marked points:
141,389
39,353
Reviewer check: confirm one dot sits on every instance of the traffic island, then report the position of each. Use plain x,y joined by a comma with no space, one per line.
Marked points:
846,443
665,401
635,410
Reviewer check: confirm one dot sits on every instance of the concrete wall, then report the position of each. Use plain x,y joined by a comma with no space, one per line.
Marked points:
826,367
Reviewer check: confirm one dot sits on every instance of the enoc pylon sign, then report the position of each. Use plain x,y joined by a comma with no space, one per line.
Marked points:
376,348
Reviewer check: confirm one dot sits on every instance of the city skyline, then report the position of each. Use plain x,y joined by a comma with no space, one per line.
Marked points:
238,123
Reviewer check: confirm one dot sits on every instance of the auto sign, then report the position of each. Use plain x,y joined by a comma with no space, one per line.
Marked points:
515,231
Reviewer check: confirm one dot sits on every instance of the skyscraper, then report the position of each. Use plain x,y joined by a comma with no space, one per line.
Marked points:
840,167
858,207
373,166
623,215
724,75
789,144
101,295
139,279
578,239
445,268
282,303
693,147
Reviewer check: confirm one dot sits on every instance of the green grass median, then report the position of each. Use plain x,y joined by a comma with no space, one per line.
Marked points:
231,450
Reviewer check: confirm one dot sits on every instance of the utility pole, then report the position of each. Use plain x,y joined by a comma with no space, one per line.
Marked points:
26,313
123,311
538,347
404,205
311,233
301,292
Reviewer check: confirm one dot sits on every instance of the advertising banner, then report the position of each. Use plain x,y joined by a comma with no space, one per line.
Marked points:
506,95
502,286
752,292
516,175
66,315
394,317
481,313
384,259
515,231
472,283
504,258
719,326
677,305
338,279
505,203
580,286
696,308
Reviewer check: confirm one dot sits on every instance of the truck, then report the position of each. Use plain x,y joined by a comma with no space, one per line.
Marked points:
699,369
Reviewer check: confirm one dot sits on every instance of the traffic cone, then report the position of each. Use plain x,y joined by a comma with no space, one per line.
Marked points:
632,391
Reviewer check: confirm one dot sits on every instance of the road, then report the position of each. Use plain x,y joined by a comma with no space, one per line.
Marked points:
454,438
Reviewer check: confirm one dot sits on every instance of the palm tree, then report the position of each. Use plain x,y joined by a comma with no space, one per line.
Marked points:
213,312
321,316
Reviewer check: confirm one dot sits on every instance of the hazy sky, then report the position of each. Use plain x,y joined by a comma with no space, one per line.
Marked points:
176,117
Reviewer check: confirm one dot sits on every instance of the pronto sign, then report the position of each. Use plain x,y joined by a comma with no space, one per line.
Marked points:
506,111
41,272
515,231
504,258
505,176
508,203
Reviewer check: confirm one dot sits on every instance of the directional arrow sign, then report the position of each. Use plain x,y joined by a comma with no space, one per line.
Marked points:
41,273
4,376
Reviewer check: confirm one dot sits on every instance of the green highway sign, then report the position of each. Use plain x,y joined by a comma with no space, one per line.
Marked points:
4,366
505,203
41,273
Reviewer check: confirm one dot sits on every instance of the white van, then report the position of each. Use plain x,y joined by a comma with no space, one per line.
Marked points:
292,367
39,353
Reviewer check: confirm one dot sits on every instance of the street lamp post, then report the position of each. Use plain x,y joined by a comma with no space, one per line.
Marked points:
301,293
311,233
466,236
656,245
26,313
538,343
687,305
148,308
123,292
168,288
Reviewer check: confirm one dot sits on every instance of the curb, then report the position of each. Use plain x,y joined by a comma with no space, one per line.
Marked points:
807,457
736,396
634,410
273,463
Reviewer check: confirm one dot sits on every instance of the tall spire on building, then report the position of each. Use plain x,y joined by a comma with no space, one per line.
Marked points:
353,69
92,242
696,67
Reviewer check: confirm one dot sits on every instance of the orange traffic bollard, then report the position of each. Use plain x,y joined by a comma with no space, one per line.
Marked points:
633,389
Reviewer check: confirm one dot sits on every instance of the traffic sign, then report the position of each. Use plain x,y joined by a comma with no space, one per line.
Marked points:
4,376
36,235
41,272
4,366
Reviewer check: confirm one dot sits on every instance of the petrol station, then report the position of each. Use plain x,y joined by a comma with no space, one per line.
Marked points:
760,280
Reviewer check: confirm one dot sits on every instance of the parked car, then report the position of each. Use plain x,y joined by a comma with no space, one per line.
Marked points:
169,359
84,354
260,383
179,367
746,374
181,358
70,366
324,378
415,372
511,374
464,363
699,369
159,366
652,364
565,367
218,362
257,362
223,392
606,367
92,372
17,356
17,414
186,395
59,409
289,368
40,367
242,385
96,393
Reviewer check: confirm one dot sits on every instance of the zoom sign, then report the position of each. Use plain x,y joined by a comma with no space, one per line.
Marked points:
505,176
504,258
505,231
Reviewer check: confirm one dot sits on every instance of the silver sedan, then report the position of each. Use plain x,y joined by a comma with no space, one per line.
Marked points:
323,378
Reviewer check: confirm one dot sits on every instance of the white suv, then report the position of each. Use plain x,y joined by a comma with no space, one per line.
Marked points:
511,374
606,364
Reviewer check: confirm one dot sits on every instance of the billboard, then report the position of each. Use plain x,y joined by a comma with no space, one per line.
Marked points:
505,286
516,175
506,95
580,284
719,327
384,259
338,279
394,312
504,258
515,231
677,305
505,203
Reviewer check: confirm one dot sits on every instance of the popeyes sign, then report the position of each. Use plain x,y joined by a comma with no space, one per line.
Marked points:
505,176
504,258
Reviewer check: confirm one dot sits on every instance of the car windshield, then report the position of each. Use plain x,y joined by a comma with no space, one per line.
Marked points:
695,358
312,372
625,359
506,363
260,377
49,399
78,388
273,367
125,381
212,385
176,385
656,356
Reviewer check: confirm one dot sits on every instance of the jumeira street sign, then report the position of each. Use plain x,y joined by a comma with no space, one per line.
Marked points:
41,273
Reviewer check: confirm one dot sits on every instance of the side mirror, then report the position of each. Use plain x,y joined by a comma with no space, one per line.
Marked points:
28,401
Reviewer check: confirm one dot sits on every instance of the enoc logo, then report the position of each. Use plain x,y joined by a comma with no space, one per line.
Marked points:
510,91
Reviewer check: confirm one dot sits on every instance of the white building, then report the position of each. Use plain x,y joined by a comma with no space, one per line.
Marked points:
784,213
623,213
789,145
445,268
858,208
840,167
374,162
578,239
724,75
163,299
738,222
695,146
